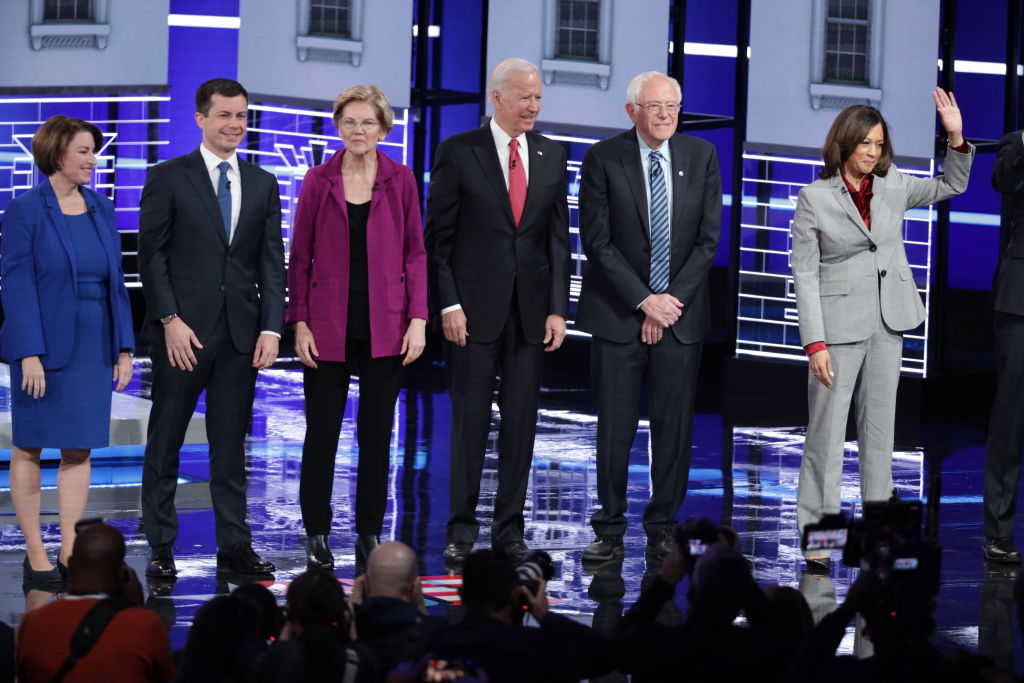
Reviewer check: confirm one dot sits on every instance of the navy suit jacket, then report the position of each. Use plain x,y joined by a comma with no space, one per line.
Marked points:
38,278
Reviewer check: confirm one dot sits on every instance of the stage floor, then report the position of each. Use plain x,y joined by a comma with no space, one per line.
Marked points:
744,476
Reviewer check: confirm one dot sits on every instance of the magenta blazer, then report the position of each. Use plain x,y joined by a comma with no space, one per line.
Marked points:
396,259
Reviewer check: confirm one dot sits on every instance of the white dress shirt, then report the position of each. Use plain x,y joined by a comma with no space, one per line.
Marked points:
212,162
501,140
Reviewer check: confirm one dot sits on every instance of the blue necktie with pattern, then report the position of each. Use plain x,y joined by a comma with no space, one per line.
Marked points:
224,197
660,252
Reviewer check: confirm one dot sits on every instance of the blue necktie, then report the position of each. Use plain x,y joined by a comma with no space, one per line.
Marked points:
224,197
660,252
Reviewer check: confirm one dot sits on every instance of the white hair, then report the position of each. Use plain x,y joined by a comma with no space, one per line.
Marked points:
637,84
506,70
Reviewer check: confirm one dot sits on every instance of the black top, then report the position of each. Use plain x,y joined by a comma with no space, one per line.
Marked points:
358,276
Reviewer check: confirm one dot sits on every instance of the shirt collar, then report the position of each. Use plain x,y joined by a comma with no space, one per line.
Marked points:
865,184
212,161
645,149
501,138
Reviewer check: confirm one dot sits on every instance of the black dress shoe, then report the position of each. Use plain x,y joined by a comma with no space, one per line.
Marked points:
40,576
1000,550
318,555
661,544
456,553
817,566
516,550
161,562
604,548
365,543
243,560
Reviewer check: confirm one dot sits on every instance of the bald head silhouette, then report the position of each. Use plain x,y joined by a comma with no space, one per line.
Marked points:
391,571
97,560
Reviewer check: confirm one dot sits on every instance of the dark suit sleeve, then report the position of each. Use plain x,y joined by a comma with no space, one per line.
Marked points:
443,204
23,333
596,234
1008,171
271,264
156,223
559,259
692,276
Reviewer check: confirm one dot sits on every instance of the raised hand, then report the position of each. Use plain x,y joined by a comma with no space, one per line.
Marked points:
949,115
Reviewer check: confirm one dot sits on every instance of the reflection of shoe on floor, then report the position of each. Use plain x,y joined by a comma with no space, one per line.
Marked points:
456,553
661,545
242,559
817,565
1000,550
604,548
516,550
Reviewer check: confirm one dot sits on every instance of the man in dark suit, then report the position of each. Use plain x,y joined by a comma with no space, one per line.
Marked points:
497,237
212,267
650,213
1006,423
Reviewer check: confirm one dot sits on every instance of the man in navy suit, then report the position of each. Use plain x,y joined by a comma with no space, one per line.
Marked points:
650,216
497,237
212,267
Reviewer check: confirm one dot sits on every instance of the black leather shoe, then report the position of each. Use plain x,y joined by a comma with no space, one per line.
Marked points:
365,543
456,553
43,576
161,562
604,548
1000,550
65,573
817,566
516,550
661,545
243,560
318,555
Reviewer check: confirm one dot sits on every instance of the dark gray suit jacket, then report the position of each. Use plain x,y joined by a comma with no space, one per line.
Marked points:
616,235
186,264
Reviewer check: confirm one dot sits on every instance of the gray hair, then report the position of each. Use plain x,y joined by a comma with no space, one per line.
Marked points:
637,84
506,70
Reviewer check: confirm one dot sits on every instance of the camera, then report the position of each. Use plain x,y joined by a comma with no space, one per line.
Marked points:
869,541
696,536
534,566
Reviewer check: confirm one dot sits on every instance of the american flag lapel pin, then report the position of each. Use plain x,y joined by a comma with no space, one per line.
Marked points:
680,173
540,153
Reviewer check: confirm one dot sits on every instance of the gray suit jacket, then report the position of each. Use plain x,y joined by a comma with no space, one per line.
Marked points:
843,272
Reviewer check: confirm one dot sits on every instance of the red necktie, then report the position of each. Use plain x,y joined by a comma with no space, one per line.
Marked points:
516,181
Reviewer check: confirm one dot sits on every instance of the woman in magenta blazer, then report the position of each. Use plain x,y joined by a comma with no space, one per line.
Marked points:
358,297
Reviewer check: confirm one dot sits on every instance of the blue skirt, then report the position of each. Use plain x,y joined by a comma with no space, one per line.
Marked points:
75,410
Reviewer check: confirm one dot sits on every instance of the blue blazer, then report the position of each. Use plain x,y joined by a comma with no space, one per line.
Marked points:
38,278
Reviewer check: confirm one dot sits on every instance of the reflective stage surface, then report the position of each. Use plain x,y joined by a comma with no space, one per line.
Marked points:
741,475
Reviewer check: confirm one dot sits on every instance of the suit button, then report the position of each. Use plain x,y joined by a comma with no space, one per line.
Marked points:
223,288
872,248
882,273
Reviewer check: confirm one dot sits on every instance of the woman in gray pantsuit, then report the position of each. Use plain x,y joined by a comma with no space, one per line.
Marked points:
856,296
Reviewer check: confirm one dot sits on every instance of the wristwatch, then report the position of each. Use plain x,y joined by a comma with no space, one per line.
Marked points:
168,318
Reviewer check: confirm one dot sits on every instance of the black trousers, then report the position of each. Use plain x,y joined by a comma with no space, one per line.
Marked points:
1005,428
229,379
471,370
326,391
669,369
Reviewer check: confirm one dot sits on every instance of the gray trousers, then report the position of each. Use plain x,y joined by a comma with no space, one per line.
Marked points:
869,370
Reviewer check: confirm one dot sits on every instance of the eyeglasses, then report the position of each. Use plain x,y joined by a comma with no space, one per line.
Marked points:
658,107
352,124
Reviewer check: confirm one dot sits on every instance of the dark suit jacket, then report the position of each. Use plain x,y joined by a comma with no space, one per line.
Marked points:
1008,178
615,231
186,264
38,278
477,255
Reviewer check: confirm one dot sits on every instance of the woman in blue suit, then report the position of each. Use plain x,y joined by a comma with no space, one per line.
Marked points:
67,329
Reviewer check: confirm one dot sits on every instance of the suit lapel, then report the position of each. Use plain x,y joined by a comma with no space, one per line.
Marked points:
249,195
878,207
199,177
680,176
539,168
842,195
634,172
487,156
60,226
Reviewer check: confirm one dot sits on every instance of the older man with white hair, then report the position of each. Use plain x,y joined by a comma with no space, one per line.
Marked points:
650,216
497,236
